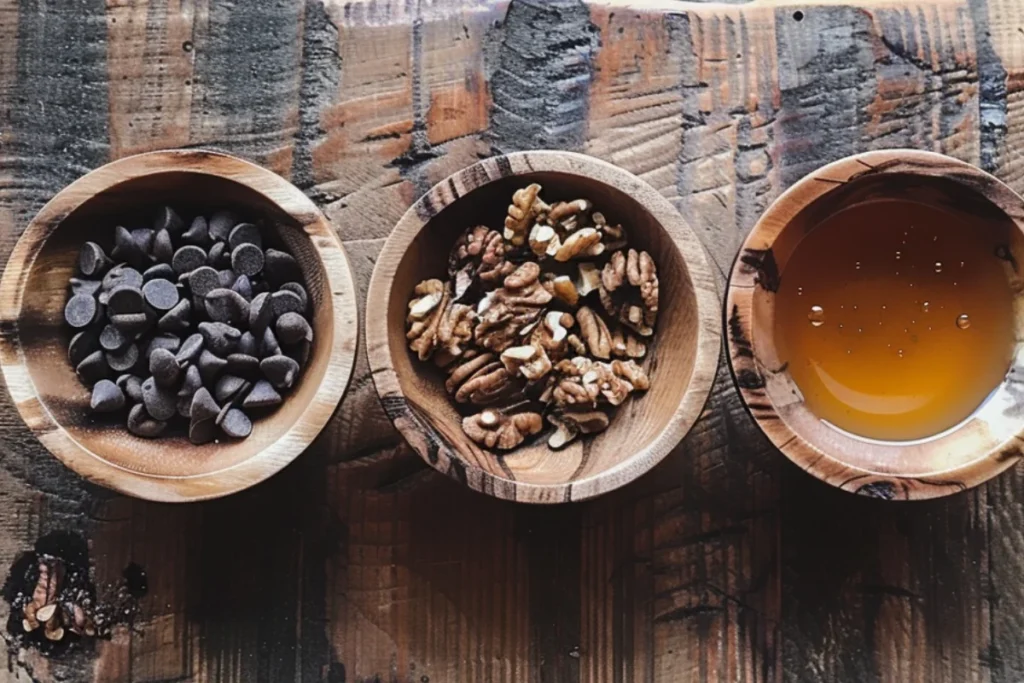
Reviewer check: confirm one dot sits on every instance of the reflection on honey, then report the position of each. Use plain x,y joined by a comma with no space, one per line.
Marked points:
895,318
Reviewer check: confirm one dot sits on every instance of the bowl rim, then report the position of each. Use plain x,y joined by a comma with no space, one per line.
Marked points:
263,464
416,430
748,375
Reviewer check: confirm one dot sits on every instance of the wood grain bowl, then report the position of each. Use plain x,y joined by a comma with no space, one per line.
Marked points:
681,363
981,447
34,338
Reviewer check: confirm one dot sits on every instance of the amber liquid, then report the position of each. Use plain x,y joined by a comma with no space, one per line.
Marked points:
895,318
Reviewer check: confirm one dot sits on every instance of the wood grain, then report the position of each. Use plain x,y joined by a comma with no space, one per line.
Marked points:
724,563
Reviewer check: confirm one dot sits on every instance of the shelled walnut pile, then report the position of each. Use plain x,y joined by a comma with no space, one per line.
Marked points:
549,319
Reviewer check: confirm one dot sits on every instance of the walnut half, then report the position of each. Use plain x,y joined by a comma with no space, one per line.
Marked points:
570,425
495,429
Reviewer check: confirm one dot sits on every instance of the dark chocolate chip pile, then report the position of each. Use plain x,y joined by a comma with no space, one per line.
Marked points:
196,324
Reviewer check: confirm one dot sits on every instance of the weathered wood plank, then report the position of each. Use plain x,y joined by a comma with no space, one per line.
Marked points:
724,563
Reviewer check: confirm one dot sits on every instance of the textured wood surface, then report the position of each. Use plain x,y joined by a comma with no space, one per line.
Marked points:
358,563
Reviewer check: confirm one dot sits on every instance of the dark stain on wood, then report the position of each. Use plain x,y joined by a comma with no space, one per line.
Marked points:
321,73
878,489
743,346
541,81
762,261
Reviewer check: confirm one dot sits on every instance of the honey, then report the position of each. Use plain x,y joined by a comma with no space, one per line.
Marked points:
895,318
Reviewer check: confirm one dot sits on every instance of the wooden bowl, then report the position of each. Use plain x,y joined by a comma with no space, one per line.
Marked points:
982,446
682,360
33,346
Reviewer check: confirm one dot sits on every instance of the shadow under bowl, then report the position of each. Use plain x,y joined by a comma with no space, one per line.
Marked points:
980,447
681,361
55,404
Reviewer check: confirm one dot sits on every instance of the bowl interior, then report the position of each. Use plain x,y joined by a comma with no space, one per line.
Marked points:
999,416
45,337
670,360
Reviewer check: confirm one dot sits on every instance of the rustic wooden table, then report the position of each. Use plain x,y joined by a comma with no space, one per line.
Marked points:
358,562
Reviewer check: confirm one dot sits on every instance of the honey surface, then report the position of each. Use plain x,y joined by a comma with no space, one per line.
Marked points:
895,318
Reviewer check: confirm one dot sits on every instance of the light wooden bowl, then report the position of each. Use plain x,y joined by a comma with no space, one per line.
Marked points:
33,345
981,447
682,361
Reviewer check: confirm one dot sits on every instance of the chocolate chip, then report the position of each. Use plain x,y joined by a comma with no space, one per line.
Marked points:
106,397
131,385
220,338
203,280
262,395
226,278
82,344
280,371
227,306
198,234
190,349
127,249
92,260
285,301
162,295
160,402
93,368
163,248
243,285
300,292
245,233
112,338
203,406
178,319
203,431
243,364
89,287
210,366
81,311
188,258
191,384
141,424
164,368
168,342
281,267
125,300
162,271
121,275
247,259
293,328
217,253
169,220
123,360
261,312
130,323
269,345
221,224
227,386
300,353
247,344
143,238
236,424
